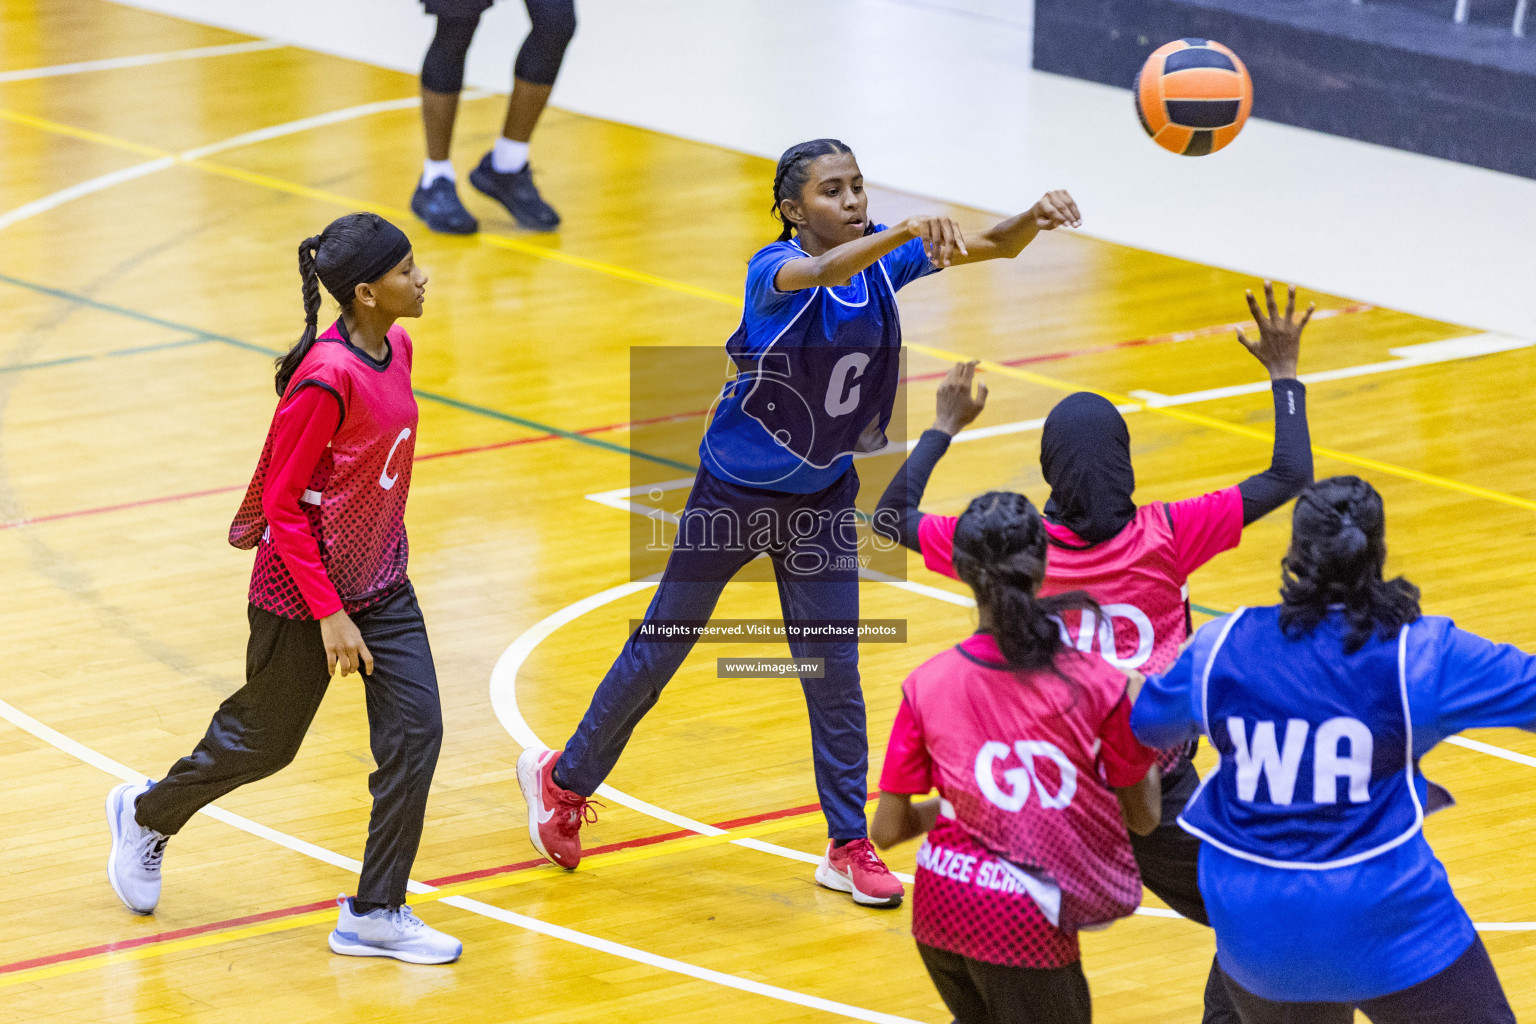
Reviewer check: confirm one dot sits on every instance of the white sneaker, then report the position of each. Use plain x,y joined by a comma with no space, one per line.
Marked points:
133,866
391,931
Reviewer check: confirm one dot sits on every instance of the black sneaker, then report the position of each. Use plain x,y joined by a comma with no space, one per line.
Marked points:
438,204
517,193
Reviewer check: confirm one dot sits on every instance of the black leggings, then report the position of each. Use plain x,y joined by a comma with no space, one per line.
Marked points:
977,992
1169,859
258,729
1466,992
538,62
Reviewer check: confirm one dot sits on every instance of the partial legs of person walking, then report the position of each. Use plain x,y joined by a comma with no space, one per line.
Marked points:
258,730
504,172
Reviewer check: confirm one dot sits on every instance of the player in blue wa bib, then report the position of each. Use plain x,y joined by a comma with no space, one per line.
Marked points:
1315,871
817,355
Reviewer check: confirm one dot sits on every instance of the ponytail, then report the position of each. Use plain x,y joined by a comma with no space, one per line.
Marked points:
309,277
1000,552
1335,562
794,171
352,250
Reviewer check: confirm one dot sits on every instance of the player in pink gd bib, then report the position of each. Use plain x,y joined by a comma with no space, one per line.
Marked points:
1135,561
1028,741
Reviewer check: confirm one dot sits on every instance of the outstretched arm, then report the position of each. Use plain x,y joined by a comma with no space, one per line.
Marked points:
1279,348
839,263
943,243
1006,239
897,515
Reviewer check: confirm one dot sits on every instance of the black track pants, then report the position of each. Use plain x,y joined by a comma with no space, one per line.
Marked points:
258,729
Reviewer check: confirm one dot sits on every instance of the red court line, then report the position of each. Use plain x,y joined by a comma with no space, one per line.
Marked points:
118,508
148,940
587,432
273,915
1157,339
188,495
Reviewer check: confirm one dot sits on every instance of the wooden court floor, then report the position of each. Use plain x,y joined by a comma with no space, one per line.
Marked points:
147,273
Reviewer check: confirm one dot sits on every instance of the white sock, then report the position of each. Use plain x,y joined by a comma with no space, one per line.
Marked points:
508,157
431,170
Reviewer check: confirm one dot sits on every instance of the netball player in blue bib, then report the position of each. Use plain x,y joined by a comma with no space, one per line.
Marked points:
817,359
1323,892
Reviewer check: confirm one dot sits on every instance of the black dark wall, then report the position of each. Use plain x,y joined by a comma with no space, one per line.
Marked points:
1381,74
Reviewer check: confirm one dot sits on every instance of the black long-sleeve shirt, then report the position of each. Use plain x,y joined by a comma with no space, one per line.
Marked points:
1289,472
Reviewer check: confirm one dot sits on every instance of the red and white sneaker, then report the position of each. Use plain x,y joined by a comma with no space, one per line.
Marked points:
856,869
555,815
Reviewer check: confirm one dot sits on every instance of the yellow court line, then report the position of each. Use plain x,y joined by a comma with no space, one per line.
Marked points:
321,195
602,860
1199,419
85,134
654,280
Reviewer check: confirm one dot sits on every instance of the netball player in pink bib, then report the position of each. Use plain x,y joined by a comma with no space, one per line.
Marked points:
325,512
1134,561
1028,741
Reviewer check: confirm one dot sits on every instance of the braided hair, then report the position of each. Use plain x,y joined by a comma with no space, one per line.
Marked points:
318,255
794,171
999,551
1338,549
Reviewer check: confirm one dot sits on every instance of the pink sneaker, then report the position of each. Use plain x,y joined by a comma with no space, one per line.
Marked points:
555,815
855,868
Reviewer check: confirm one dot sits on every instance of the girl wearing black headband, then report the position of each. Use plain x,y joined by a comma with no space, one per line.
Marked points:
325,513
817,355
1134,560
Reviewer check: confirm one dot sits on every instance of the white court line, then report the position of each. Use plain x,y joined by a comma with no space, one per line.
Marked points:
98,760
504,704
675,966
503,692
1489,748
619,498
303,124
1409,357
84,188
25,722
139,60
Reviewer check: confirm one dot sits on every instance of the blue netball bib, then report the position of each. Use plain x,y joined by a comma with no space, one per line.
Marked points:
1316,764
817,373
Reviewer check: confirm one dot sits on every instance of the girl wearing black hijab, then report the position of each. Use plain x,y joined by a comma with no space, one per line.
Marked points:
1134,561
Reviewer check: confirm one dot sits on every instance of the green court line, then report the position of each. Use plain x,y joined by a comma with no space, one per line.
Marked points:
1203,610
140,349
201,335
136,350
16,367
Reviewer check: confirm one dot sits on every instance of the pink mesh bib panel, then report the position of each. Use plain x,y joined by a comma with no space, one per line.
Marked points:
355,500
1016,760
